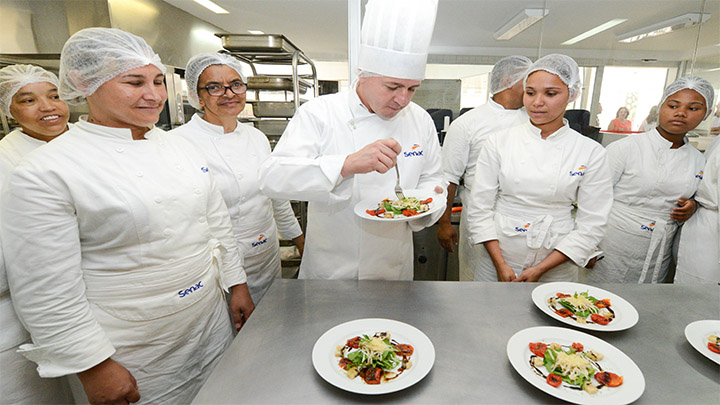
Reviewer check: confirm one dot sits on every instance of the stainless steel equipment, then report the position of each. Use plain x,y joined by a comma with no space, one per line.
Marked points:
271,127
273,109
271,43
278,83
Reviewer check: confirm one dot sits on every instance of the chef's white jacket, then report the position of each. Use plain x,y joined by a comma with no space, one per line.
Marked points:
95,218
234,159
306,165
648,179
524,191
460,151
699,250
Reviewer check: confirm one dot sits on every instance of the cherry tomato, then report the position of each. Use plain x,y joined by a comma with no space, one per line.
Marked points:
599,319
371,212
428,201
409,213
578,347
714,347
603,303
380,211
609,379
564,312
373,375
404,350
354,342
538,349
554,380
344,363
561,295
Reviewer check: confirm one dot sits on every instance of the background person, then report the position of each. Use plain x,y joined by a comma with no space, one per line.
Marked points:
234,151
29,94
620,123
136,240
715,124
654,176
462,145
338,148
651,121
527,179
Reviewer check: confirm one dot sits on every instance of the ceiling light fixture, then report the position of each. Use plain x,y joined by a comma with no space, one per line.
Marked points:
667,26
594,31
212,6
520,22
256,32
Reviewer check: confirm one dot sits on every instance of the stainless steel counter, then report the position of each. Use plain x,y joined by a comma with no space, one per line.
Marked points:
469,325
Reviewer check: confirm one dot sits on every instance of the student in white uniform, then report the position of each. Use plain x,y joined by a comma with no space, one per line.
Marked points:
527,179
654,176
462,145
699,250
339,150
29,94
132,244
234,151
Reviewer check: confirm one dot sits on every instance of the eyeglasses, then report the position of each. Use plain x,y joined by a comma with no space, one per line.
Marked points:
217,90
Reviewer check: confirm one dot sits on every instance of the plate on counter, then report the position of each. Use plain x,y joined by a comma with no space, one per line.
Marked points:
437,203
624,315
614,361
697,334
326,363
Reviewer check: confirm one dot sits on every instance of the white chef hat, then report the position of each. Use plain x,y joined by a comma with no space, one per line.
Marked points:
198,63
396,36
92,56
508,71
698,84
561,66
15,77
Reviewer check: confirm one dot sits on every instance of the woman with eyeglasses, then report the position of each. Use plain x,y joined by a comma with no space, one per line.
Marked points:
118,244
234,151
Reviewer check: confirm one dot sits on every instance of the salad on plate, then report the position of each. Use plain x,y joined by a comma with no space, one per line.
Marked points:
404,207
375,359
582,307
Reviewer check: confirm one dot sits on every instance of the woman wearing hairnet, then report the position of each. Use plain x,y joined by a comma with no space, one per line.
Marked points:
136,240
29,94
234,151
527,179
654,174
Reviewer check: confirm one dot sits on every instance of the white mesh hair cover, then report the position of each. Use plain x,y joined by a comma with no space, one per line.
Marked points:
508,71
198,63
563,67
698,84
93,56
15,77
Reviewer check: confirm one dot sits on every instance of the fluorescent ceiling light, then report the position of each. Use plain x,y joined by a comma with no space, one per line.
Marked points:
520,22
256,32
594,31
212,6
673,24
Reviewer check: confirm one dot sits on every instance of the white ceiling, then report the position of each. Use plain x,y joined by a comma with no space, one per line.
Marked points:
466,27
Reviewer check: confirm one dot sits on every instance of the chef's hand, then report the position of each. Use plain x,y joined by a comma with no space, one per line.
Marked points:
447,236
591,263
109,383
505,273
379,156
241,305
531,274
684,210
300,244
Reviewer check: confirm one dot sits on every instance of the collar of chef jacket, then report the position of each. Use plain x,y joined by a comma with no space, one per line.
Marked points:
120,134
661,143
209,128
359,111
555,135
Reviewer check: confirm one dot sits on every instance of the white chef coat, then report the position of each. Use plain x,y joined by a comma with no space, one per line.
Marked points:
460,151
523,196
234,159
306,165
123,232
20,382
699,250
648,179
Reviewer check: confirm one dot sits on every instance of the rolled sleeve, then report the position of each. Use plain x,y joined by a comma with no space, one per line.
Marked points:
285,219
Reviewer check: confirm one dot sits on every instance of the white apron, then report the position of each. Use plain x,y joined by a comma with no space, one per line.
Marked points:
699,250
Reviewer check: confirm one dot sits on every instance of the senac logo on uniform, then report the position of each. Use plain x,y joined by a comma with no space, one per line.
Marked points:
204,169
649,227
523,229
190,290
414,151
699,175
261,239
579,172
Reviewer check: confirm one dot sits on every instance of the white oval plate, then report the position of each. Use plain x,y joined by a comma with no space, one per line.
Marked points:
626,316
326,364
518,352
437,203
697,333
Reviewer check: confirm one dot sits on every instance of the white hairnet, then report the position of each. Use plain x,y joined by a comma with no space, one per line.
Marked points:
93,56
15,77
198,63
507,72
698,84
561,66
